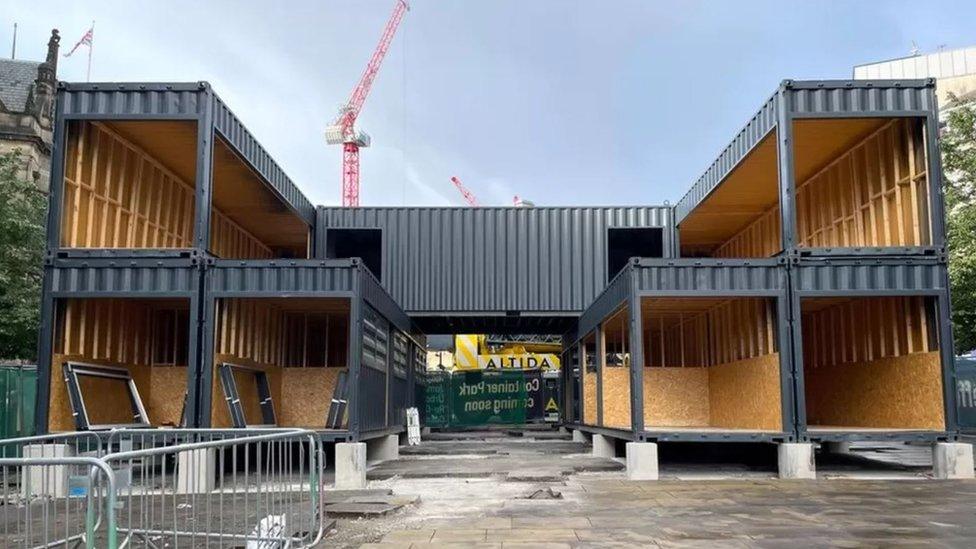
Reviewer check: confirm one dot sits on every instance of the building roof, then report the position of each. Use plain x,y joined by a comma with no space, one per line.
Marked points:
16,79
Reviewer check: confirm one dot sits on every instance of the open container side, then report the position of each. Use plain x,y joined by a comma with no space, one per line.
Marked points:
711,364
166,170
107,323
338,354
873,348
686,349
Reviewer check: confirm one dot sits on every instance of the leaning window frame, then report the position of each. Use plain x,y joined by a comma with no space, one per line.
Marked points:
79,410
232,396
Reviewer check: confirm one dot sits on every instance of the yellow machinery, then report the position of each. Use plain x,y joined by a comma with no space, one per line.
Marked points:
478,352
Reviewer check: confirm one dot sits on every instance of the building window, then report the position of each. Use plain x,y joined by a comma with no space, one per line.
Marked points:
366,244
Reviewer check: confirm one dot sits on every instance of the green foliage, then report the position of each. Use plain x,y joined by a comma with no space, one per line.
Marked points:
22,213
959,166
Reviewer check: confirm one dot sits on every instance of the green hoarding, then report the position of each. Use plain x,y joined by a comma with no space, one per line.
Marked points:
474,398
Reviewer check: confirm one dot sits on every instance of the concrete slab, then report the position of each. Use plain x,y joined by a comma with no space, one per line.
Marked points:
365,510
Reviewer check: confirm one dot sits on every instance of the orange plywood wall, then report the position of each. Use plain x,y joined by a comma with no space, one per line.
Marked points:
127,334
872,362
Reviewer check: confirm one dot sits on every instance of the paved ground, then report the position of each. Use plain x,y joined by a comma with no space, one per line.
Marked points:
473,494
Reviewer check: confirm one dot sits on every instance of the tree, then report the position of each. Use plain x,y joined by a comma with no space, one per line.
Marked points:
22,213
959,165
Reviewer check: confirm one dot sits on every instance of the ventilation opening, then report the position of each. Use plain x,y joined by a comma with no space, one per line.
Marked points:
366,244
623,244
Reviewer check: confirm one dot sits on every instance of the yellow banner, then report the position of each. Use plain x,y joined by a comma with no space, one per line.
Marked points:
526,361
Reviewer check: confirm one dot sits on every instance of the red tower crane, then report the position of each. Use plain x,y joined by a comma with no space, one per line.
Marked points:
468,196
343,130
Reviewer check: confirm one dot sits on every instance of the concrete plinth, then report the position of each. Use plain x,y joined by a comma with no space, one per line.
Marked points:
952,460
350,465
46,480
196,471
836,447
604,446
641,461
383,448
796,460
579,436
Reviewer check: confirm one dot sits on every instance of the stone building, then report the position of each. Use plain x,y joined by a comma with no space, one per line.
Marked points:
27,91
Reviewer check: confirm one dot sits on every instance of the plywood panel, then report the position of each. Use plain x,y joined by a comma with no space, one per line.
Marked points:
103,402
903,392
616,397
746,394
307,395
167,396
589,399
676,397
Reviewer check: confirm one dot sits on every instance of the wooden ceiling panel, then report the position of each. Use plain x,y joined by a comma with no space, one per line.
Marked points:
242,195
171,142
302,304
819,141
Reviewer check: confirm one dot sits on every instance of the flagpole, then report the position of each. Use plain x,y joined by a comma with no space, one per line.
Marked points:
91,46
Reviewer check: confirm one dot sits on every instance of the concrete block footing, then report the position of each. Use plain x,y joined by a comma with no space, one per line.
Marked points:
383,448
642,461
952,460
196,471
350,465
604,446
46,480
796,460
836,447
579,436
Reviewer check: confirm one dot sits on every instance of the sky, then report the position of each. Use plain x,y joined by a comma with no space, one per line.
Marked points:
563,102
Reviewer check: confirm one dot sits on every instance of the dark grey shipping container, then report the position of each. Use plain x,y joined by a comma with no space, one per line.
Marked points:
440,261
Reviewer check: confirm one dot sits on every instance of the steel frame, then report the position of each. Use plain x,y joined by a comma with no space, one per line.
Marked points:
298,279
687,278
72,370
876,278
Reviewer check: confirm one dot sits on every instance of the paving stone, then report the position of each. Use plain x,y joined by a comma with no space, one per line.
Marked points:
532,534
366,510
459,534
409,536
550,522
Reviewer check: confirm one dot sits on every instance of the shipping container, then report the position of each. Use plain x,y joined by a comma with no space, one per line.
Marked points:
686,349
118,343
316,344
824,168
454,270
167,167
873,349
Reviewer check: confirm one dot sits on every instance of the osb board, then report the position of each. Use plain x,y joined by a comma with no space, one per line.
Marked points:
306,394
676,397
902,392
589,398
101,409
220,414
616,397
748,191
167,396
746,394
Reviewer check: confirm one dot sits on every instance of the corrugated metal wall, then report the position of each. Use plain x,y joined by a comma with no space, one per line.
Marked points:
494,259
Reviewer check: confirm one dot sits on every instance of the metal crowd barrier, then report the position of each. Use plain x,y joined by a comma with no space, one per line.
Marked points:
258,489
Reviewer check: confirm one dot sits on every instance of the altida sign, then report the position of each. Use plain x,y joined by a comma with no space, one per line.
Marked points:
527,361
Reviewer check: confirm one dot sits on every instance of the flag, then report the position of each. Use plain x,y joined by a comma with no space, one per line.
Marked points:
85,40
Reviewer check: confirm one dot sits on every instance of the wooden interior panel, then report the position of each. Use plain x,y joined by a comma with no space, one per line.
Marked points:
746,394
220,413
589,399
872,362
309,394
676,397
283,337
120,333
748,192
711,363
872,192
241,195
131,185
616,397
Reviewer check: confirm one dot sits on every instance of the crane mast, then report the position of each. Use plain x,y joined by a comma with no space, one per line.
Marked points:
343,130
468,195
